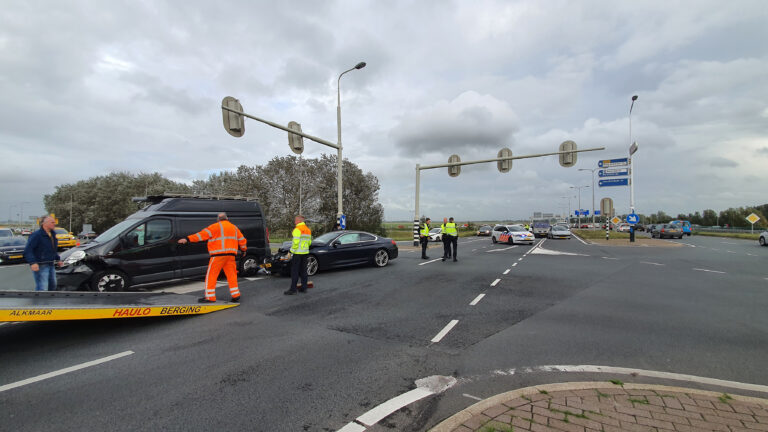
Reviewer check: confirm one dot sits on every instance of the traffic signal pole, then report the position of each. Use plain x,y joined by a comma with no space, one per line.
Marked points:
419,168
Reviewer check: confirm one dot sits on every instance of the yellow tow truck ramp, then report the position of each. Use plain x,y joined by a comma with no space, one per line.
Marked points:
77,305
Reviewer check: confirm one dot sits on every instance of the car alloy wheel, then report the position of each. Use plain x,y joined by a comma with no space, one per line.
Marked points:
109,281
381,258
312,265
250,265
762,241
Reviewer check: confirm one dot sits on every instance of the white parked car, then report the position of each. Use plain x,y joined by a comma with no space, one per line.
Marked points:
436,234
623,227
763,238
512,234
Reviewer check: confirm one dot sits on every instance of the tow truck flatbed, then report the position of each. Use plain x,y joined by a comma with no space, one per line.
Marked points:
78,305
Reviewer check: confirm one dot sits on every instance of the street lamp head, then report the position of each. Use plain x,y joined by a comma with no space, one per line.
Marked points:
634,98
362,65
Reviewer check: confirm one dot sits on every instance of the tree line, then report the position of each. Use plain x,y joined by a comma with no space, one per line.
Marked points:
284,187
732,217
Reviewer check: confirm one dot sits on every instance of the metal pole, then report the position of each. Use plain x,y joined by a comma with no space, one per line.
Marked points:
71,199
340,161
416,208
593,199
631,165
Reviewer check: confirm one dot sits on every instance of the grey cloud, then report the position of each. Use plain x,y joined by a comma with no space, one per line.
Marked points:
763,151
722,162
470,120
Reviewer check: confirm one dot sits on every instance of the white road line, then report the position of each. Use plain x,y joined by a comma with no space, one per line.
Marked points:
652,263
496,250
444,331
474,250
63,371
507,271
534,247
352,427
477,299
495,282
254,278
424,263
641,372
519,259
710,271
730,251
514,265
579,239
751,254
715,249
471,397
375,415
609,258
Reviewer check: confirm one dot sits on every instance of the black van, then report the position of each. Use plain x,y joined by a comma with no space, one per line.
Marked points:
143,248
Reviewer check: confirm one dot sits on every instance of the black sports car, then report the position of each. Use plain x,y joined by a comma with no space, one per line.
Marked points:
12,249
339,249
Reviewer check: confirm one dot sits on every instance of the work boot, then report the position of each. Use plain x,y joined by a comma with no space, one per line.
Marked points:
302,290
454,259
290,292
424,257
443,258
235,299
205,300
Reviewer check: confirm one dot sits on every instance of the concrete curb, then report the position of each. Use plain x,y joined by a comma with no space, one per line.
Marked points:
462,416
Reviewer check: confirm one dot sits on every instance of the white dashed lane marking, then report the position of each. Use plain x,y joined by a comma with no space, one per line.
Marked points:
428,262
477,300
507,271
709,271
444,331
495,282
651,263
515,264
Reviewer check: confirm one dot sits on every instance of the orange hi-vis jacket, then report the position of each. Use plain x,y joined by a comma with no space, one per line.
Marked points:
223,238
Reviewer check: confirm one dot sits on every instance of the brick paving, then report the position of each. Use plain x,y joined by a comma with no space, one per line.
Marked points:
642,408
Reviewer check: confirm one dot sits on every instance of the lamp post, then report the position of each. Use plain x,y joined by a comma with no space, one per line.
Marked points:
568,215
21,211
632,150
579,188
593,192
338,128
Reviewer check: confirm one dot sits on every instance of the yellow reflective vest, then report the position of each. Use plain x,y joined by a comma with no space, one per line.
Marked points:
450,229
424,229
302,238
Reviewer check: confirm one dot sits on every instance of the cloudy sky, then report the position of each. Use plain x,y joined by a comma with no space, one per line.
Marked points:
89,87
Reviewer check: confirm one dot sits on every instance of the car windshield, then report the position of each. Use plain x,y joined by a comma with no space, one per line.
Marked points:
323,239
60,231
485,227
6,233
114,231
517,228
559,228
13,241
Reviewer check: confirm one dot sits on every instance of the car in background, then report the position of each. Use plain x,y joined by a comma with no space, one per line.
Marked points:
540,227
339,249
667,231
436,234
512,234
623,227
65,238
763,238
484,230
559,231
684,225
26,231
12,249
6,232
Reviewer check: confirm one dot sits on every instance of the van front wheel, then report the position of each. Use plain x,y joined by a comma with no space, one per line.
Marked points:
109,281
249,265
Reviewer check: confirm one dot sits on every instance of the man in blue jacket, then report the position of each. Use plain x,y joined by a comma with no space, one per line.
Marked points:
41,255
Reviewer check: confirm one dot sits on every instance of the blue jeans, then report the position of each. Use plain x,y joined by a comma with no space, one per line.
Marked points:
45,278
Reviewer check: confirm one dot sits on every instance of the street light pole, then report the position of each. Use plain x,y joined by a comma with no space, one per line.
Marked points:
593,192
631,164
579,188
338,129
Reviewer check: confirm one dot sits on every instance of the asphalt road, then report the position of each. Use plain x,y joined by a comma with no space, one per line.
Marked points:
363,336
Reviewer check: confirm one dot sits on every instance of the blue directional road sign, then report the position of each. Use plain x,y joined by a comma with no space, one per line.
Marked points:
614,182
581,213
597,212
607,163
343,221
633,218
613,172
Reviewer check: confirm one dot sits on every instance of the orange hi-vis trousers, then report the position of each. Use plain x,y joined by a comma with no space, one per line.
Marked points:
215,265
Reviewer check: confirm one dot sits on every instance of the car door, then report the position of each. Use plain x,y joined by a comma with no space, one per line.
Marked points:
346,250
192,258
147,253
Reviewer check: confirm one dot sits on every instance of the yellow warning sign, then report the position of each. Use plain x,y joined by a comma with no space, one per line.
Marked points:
615,220
129,311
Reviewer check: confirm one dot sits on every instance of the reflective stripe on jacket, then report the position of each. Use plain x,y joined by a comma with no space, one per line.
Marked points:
450,229
302,238
424,230
223,237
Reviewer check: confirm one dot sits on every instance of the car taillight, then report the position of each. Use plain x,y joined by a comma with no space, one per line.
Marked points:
662,230
393,242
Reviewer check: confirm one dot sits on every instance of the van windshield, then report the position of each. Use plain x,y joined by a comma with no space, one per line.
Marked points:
114,231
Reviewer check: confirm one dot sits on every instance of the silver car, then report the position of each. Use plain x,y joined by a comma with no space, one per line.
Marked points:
559,231
763,238
512,234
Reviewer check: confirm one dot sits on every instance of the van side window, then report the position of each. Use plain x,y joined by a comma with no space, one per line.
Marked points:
151,232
